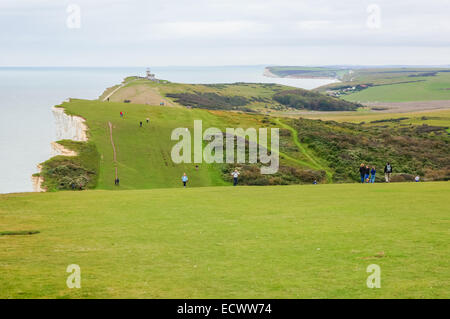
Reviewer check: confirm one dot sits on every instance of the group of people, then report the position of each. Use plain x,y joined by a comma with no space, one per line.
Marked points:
235,174
368,173
140,123
147,120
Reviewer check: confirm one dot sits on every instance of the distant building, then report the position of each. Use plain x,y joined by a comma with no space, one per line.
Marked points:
150,76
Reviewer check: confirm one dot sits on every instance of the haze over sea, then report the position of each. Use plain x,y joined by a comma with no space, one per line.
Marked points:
27,94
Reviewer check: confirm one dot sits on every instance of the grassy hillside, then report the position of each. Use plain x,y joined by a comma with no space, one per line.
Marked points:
143,154
394,85
309,150
229,242
412,149
248,97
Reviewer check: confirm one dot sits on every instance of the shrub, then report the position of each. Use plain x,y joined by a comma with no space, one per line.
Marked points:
304,99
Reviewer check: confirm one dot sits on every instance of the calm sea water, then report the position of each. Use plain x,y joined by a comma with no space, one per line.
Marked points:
27,94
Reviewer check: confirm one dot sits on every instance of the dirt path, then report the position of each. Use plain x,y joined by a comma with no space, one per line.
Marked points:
113,146
313,161
117,89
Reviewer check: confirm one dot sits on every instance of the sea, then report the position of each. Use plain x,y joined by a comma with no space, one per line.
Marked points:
27,95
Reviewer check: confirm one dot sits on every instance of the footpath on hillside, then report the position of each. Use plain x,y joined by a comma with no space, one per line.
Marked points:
117,89
313,161
114,148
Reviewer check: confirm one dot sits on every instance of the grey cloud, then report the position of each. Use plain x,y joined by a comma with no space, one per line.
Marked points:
144,27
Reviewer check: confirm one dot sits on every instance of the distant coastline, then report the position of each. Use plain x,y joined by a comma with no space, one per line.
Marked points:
268,73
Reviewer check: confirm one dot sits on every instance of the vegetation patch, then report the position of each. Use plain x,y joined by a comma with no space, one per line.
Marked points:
398,119
308,100
286,175
344,146
212,101
72,172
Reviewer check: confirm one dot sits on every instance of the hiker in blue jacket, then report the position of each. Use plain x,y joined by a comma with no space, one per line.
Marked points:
184,179
373,171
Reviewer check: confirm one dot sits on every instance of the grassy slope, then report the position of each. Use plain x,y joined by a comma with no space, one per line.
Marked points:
389,87
312,160
432,88
143,91
143,154
229,242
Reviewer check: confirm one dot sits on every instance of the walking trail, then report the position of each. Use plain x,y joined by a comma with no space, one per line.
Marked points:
117,89
313,161
113,146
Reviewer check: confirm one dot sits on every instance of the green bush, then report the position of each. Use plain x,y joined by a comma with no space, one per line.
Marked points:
309,100
72,172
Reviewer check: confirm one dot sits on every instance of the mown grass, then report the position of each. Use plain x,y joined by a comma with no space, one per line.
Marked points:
311,241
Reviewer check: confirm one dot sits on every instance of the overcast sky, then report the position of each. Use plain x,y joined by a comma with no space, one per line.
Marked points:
223,32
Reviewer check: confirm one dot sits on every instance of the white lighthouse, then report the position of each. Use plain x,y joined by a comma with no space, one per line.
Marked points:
150,76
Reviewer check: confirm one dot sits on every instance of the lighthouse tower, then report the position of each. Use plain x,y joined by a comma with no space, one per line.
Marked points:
150,76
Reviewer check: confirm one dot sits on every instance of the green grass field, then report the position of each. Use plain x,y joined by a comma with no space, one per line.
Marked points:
311,241
155,239
426,89
395,84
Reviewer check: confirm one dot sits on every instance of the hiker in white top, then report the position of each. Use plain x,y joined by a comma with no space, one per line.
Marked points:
387,172
235,175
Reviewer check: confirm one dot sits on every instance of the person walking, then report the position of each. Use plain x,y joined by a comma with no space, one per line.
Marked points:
367,174
362,172
387,172
235,175
140,123
148,120
184,179
373,171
